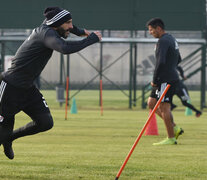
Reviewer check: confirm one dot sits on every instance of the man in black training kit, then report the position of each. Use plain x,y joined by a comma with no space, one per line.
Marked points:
167,57
182,92
17,91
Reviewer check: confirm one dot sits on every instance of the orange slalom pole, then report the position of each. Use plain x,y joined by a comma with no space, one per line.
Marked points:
140,135
66,100
101,100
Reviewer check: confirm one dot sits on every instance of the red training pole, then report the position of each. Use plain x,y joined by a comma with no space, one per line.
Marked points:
66,100
140,135
101,100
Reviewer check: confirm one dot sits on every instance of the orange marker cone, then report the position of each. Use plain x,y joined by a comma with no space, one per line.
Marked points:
152,126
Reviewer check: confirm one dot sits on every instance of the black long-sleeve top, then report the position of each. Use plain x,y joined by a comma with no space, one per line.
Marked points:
32,56
167,57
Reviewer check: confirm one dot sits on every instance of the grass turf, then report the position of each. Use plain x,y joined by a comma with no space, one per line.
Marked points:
89,146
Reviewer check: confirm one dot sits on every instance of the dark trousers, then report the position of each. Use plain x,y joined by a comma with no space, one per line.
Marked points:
30,101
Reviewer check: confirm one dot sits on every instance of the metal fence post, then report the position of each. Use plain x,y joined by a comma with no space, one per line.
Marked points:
203,77
100,72
130,75
135,75
2,56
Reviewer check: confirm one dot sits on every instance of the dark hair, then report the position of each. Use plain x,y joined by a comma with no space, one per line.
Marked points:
154,22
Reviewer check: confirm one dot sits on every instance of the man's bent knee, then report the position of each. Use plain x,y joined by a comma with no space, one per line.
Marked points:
43,121
46,123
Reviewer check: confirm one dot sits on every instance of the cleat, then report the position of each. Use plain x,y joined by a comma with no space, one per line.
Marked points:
198,114
178,131
8,151
167,141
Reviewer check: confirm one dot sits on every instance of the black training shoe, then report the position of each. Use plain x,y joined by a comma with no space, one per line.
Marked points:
8,151
198,114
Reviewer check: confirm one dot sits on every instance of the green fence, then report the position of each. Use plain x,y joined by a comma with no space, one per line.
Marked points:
107,14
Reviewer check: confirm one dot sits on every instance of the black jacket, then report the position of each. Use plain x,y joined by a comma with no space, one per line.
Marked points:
167,57
34,53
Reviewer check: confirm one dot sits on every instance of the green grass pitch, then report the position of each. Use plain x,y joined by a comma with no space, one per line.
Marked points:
89,146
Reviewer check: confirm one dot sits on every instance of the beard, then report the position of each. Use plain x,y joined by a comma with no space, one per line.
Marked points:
62,32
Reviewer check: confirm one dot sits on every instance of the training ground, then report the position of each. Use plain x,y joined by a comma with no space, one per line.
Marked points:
89,146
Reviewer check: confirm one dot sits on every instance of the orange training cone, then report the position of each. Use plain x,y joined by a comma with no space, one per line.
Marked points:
152,126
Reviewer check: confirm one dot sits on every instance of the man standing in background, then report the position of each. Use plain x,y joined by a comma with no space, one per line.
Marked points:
167,57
